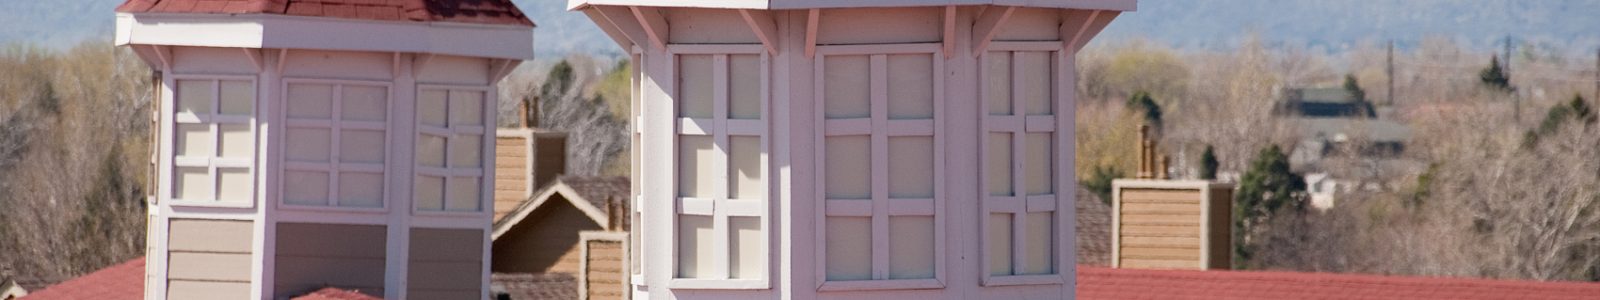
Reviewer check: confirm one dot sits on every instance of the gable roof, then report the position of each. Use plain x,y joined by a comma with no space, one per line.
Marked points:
1108,283
498,12
117,282
588,194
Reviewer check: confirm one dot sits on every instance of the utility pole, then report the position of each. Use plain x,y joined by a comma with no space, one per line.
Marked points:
1597,74
1390,71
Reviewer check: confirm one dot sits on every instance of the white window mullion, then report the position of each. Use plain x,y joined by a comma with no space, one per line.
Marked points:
1019,159
879,104
333,154
719,168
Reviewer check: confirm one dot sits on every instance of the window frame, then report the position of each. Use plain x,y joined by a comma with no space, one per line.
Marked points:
170,155
719,130
880,209
334,125
485,170
637,238
1018,124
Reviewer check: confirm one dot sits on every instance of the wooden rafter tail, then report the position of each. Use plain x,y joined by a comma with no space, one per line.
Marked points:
949,31
988,25
1101,20
1073,24
655,25
608,27
762,23
812,18
625,23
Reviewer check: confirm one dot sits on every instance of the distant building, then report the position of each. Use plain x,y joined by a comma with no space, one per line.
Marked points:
1331,123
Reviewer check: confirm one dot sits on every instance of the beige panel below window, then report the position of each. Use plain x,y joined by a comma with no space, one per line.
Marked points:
305,187
364,103
911,167
360,189
430,151
849,248
464,194
911,80
192,140
236,98
310,101
696,86
1041,180
202,290
466,108
192,184
1034,93
431,108
695,174
234,185
744,168
694,246
746,251
744,86
361,146
430,193
195,97
998,164
309,145
911,240
849,167
997,83
1041,241
847,87
237,141
999,239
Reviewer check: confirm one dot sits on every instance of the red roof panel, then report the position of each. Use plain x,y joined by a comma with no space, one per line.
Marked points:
1107,283
499,12
124,281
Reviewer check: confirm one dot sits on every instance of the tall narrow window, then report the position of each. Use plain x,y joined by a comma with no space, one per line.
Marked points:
213,141
336,141
1020,148
451,124
722,166
879,165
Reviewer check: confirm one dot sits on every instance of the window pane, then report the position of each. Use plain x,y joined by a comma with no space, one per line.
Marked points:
1041,233
998,86
466,108
999,164
362,146
1035,82
696,86
310,101
911,86
234,185
364,103
195,96
849,167
911,167
911,239
360,189
1039,164
193,140
694,246
466,151
308,145
305,187
431,107
847,86
744,168
464,193
695,153
237,142
430,193
744,90
236,96
193,184
999,239
745,248
849,246
430,151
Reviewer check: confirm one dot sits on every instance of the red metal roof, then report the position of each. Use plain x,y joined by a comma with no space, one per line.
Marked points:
118,282
1107,283
329,293
500,12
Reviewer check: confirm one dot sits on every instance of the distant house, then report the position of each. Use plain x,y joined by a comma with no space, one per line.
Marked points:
1334,123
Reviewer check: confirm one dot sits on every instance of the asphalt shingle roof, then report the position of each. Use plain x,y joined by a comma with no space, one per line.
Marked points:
124,281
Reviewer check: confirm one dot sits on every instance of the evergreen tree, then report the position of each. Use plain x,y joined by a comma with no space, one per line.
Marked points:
1146,105
1494,76
1359,95
1266,189
1099,182
1208,164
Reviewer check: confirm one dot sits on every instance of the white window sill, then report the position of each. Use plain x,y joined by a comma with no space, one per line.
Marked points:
717,284
327,208
875,285
203,203
1014,280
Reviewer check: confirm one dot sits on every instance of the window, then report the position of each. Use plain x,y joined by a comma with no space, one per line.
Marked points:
1020,165
878,166
450,148
335,143
213,141
722,165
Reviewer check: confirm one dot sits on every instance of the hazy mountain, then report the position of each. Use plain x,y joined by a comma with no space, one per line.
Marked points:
1332,25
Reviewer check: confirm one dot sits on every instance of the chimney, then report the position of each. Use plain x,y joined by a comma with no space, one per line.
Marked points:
1171,224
